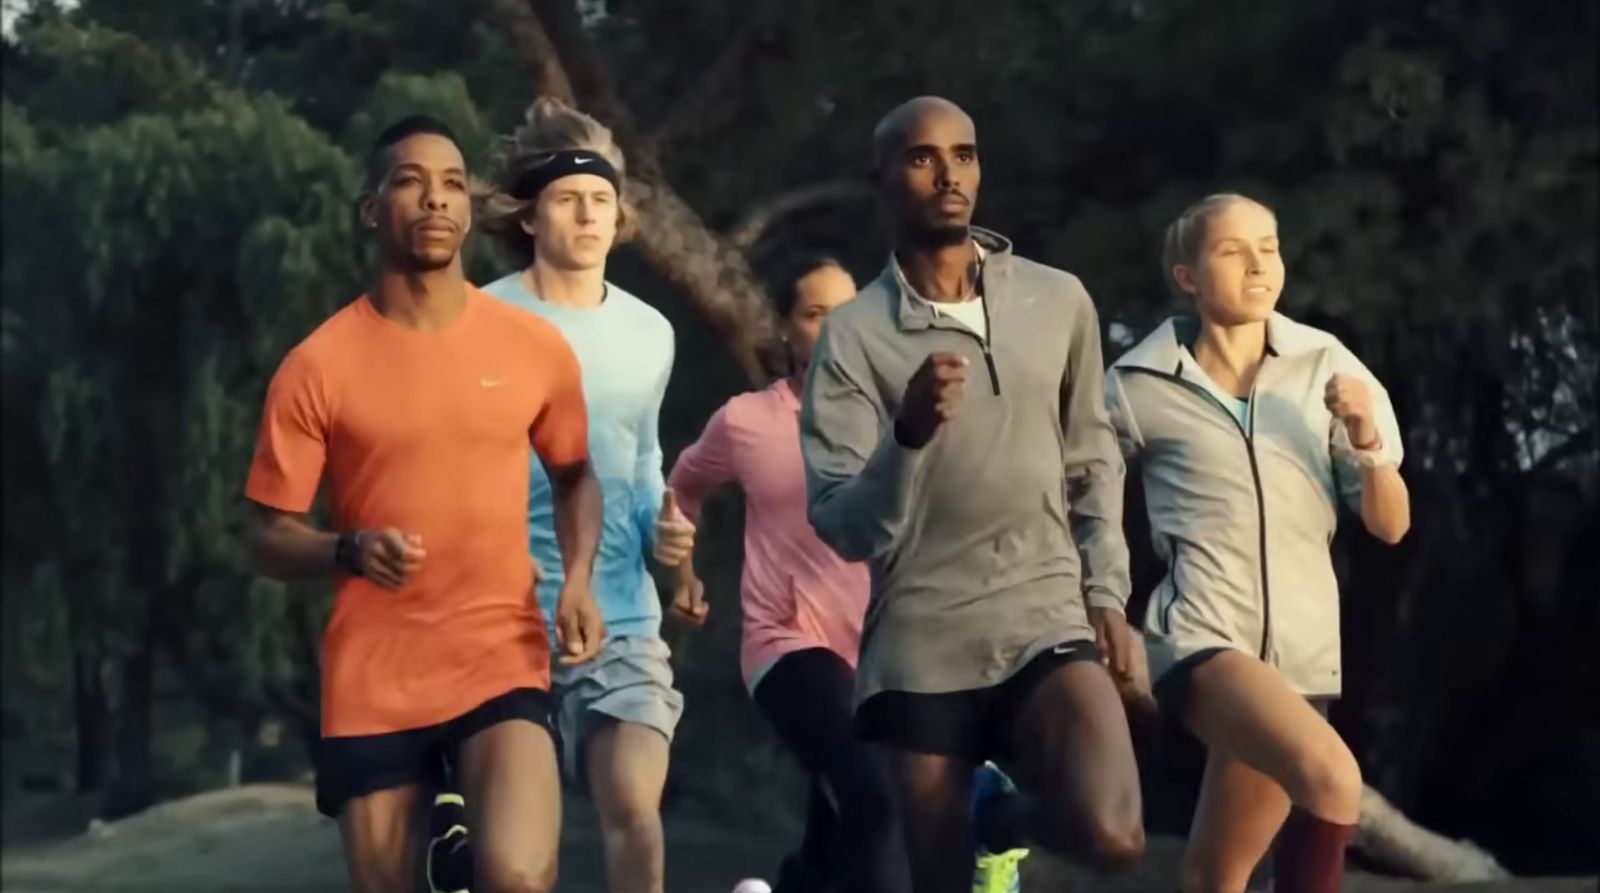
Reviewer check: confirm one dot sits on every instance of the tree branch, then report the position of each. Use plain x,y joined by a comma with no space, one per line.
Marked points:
756,221
706,97
1575,443
536,50
590,85
712,272
709,269
1388,836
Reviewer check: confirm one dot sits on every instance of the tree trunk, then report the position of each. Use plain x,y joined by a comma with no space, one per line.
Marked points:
707,266
1398,843
131,789
90,719
758,220
711,270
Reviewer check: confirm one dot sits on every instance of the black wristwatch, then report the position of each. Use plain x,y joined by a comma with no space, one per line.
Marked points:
900,436
347,553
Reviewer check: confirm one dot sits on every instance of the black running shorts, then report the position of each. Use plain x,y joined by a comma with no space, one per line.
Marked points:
357,765
974,723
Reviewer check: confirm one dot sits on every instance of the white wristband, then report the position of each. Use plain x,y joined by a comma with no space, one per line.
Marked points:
1374,458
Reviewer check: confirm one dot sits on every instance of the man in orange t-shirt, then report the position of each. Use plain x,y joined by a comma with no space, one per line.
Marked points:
419,403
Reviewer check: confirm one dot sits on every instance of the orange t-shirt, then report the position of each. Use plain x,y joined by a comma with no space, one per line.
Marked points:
428,432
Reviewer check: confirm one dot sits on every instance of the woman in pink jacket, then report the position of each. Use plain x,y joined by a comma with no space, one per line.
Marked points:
803,605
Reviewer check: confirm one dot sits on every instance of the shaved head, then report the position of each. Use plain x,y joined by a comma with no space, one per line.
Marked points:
889,137
925,162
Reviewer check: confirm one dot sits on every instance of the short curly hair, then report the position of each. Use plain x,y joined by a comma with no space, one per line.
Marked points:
548,127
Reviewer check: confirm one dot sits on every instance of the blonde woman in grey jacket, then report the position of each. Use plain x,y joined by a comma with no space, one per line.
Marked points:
1249,427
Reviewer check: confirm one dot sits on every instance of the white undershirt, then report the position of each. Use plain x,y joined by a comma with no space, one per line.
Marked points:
970,312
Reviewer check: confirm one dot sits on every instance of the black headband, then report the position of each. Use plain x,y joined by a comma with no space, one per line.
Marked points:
564,164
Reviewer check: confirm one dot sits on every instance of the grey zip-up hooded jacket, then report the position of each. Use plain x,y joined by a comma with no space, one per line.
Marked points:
985,544
1243,517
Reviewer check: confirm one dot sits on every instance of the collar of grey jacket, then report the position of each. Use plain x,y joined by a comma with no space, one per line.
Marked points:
994,253
1165,349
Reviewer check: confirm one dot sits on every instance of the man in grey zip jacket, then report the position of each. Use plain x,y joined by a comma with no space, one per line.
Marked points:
991,515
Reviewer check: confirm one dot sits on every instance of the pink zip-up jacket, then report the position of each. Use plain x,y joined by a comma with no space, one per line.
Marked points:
797,593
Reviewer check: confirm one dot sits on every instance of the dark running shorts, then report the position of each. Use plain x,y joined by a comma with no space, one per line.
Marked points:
974,723
358,765
1173,688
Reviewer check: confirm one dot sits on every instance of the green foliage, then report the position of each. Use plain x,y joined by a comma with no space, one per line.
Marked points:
165,260
53,69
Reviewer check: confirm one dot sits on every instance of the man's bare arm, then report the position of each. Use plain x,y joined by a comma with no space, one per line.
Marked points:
580,628
578,517
282,545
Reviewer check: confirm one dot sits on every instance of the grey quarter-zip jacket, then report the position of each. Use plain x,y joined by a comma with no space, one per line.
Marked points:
986,544
1243,516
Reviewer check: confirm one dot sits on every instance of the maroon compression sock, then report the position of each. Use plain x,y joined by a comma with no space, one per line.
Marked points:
1309,854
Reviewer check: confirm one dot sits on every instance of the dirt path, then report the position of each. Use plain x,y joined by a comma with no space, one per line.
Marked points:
269,839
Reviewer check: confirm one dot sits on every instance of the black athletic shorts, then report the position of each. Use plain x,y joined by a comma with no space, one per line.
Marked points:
357,765
974,723
1172,689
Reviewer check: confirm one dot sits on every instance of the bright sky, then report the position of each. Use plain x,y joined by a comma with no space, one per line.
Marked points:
10,9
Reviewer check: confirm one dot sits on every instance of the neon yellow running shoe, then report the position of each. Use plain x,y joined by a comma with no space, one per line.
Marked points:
999,872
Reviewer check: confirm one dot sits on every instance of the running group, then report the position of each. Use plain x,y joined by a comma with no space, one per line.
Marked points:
935,570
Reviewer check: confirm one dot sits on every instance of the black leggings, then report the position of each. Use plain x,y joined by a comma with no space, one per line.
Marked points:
852,842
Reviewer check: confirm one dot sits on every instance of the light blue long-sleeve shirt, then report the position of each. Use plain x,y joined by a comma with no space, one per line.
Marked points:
625,349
